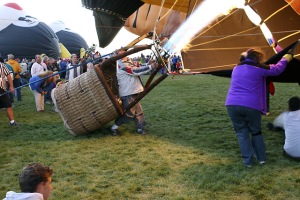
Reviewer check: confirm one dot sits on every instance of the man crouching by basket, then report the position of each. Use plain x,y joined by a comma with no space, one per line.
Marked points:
130,86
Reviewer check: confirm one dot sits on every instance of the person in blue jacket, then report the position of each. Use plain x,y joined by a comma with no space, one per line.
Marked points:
38,85
246,101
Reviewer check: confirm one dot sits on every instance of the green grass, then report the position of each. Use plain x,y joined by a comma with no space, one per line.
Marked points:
190,152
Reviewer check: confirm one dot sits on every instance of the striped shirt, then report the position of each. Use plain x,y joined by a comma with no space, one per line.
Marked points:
3,73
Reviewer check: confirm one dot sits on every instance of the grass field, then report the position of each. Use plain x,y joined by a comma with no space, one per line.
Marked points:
190,152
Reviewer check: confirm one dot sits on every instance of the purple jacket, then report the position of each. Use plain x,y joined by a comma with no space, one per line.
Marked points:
248,85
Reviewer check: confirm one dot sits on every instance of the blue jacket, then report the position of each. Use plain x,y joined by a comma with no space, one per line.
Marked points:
36,83
248,85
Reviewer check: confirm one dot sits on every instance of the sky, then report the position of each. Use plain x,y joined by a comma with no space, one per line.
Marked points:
77,18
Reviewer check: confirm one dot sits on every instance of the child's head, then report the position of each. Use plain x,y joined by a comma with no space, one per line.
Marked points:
58,81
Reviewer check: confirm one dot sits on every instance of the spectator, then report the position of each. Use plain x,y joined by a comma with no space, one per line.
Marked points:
17,79
58,83
12,75
52,64
30,65
45,60
4,98
37,67
174,62
72,71
129,88
38,85
289,121
35,183
246,100
63,67
23,67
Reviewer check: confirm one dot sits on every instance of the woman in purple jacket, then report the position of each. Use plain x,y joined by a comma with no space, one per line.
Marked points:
246,101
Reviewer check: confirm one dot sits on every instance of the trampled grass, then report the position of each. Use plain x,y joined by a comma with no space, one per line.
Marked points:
190,152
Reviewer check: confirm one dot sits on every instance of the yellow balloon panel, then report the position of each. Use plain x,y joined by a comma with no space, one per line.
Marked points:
64,51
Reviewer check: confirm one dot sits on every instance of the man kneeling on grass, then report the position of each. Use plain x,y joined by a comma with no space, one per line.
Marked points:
35,183
289,121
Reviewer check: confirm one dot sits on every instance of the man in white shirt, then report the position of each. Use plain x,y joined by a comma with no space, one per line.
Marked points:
290,122
72,71
38,66
130,86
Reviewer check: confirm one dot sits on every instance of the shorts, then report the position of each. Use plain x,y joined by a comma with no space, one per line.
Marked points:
4,99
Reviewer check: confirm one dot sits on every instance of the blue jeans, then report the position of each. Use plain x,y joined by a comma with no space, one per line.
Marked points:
135,113
17,83
48,89
247,125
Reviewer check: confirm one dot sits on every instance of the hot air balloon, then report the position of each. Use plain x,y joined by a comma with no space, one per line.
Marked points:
110,16
218,46
219,43
72,41
25,36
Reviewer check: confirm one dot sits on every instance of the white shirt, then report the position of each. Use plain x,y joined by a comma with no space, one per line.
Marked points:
128,78
23,196
292,133
38,68
71,71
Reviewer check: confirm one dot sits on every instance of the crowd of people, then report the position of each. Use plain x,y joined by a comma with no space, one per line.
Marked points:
41,74
16,72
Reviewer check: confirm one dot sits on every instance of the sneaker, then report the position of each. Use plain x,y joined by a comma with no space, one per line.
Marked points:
262,162
13,124
114,132
141,131
248,166
48,102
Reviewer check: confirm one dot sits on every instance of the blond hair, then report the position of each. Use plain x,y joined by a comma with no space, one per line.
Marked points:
45,73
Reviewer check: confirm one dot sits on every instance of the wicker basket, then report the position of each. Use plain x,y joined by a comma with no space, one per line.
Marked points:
86,103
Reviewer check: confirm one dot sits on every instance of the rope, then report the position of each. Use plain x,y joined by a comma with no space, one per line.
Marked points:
215,67
160,18
157,20
288,36
196,3
214,49
277,11
169,10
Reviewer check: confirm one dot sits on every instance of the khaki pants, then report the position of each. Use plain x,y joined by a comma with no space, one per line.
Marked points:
39,100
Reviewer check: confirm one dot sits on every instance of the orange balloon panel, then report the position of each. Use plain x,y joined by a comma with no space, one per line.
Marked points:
143,20
180,5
